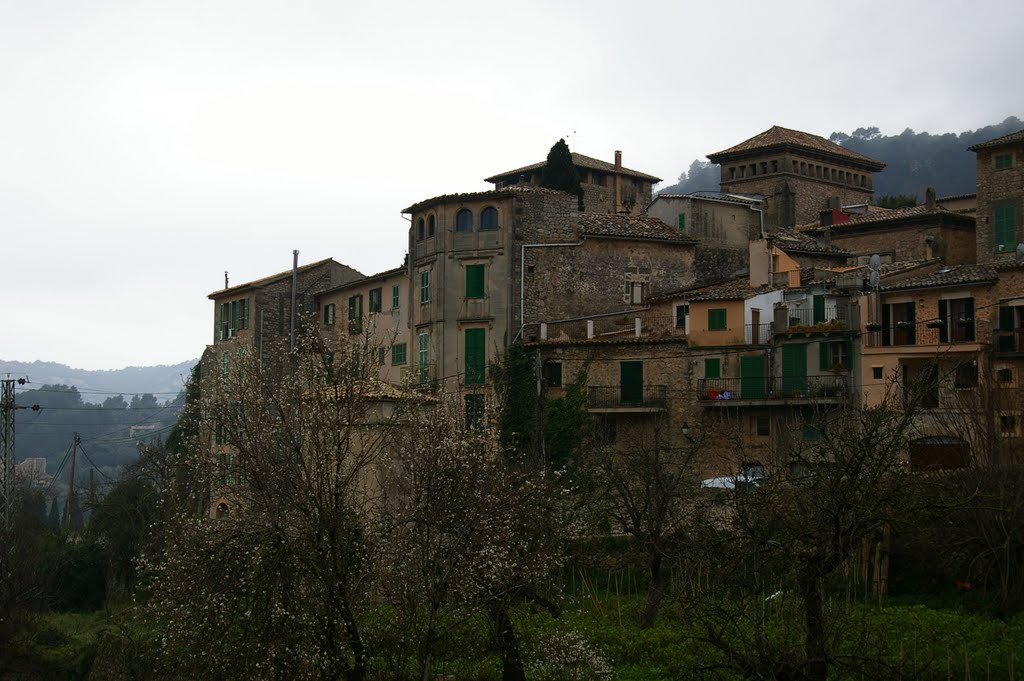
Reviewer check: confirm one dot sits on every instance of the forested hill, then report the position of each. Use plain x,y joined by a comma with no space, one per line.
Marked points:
914,160
164,381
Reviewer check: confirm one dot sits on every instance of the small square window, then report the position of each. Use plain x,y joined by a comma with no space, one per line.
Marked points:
764,425
876,373
1008,423
1004,161
553,374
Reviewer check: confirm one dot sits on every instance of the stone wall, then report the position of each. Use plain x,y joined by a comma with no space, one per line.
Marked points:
953,245
998,188
722,224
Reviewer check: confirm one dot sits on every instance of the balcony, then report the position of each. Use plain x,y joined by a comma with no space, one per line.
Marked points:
930,334
423,375
772,390
757,334
475,309
626,399
841,318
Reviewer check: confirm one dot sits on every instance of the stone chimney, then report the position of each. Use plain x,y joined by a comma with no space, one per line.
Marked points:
617,181
929,198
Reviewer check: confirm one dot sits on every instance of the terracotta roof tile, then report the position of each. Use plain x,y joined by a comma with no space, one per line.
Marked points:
275,277
1012,138
777,136
896,215
580,161
733,289
947,276
628,227
489,194
792,241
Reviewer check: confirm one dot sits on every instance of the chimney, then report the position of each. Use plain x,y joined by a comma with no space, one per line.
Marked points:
929,198
617,182
834,203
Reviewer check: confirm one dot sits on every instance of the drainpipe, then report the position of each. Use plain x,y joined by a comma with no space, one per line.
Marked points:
295,283
522,279
760,213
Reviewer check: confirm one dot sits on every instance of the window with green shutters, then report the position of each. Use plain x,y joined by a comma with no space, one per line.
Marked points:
225,364
475,347
233,317
355,314
376,302
329,314
713,368
1004,161
717,319
681,222
398,352
424,356
474,281
1005,228
394,297
819,309
425,286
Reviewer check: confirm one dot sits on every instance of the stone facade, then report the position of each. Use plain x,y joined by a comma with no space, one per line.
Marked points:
798,174
721,222
1000,174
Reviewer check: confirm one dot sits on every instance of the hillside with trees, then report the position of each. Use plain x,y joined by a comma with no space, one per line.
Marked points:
914,160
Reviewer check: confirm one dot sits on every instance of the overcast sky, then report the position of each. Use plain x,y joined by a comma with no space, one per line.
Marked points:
146,147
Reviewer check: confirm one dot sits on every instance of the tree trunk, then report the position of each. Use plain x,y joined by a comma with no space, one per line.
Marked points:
508,645
655,592
814,622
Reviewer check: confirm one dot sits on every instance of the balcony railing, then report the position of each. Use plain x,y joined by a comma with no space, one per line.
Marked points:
475,308
621,396
792,319
825,387
757,334
936,332
420,374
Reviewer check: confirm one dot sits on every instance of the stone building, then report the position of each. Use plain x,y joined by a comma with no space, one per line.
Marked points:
607,187
1000,199
488,268
796,173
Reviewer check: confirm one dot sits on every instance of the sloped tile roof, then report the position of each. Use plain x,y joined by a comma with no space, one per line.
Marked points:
276,277
777,136
476,196
628,227
946,276
892,216
580,161
1012,138
732,289
790,240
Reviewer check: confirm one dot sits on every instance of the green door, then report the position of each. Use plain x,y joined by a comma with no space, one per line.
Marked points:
819,309
752,378
794,370
631,382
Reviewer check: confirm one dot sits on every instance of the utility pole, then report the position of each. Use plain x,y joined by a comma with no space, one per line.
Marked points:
7,486
71,480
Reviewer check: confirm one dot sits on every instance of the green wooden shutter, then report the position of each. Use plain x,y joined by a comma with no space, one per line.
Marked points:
944,318
631,382
245,313
425,287
681,222
824,356
717,320
394,297
474,281
794,370
969,316
752,374
223,321
475,346
1005,228
713,368
819,309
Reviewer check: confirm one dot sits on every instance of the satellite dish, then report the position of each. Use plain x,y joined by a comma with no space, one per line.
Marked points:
874,278
875,262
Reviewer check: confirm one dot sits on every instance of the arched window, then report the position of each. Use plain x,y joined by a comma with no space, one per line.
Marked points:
222,510
430,226
489,219
419,229
464,221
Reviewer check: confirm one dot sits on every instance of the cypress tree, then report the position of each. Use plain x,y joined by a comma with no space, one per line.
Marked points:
560,172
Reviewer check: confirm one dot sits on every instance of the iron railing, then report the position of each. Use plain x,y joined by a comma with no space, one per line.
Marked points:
936,332
612,396
1011,340
828,386
792,319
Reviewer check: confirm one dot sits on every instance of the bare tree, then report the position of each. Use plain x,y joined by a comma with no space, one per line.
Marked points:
289,453
472,531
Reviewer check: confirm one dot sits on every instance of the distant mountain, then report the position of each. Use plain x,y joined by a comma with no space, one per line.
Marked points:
164,381
914,161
